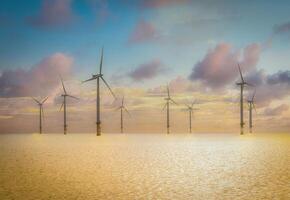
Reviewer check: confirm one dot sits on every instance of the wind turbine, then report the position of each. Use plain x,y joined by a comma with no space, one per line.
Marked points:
251,106
242,85
122,108
98,77
63,105
41,113
168,99
190,110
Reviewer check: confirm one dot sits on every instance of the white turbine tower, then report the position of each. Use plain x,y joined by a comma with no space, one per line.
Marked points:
123,108
168,99
98,77
242,85
190,110
63,105
251,105
41,113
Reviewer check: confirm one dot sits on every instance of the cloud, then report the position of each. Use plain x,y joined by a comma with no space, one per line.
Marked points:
147,71
256,77
53,13
218,69
219,66
101,7
270,86
277,110
160,3
143,32
177,85
282,28
180,84
37,81
279,77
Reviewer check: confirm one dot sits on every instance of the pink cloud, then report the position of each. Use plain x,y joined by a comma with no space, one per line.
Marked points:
147,71
219,66
37,81
176,85
181,85
143,31
53,13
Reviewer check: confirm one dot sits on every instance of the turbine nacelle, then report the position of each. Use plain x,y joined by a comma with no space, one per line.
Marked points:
97,76
192,109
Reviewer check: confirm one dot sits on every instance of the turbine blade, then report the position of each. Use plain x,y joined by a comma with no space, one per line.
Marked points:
108,87
118,108
194,102
35,100
127,111
73,97
168,95
254,94
101,62
61,106
44,100
89,80
62,84
254,106
123,101
164,106
173,101
188,106
241,73
249,84
184,109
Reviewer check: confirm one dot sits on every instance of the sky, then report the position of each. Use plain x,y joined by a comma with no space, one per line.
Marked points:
193,46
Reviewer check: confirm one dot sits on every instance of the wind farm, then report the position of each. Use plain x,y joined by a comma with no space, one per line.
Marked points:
144,99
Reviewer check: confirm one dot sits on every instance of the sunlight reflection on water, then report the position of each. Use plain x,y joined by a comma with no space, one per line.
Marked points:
144,166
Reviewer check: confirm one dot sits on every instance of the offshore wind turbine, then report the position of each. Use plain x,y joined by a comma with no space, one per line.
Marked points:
123,108
41,113
168,99
242,84
251,104
99,77
63,105
190,110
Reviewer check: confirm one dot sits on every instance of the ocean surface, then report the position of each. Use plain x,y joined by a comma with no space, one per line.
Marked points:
144,166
